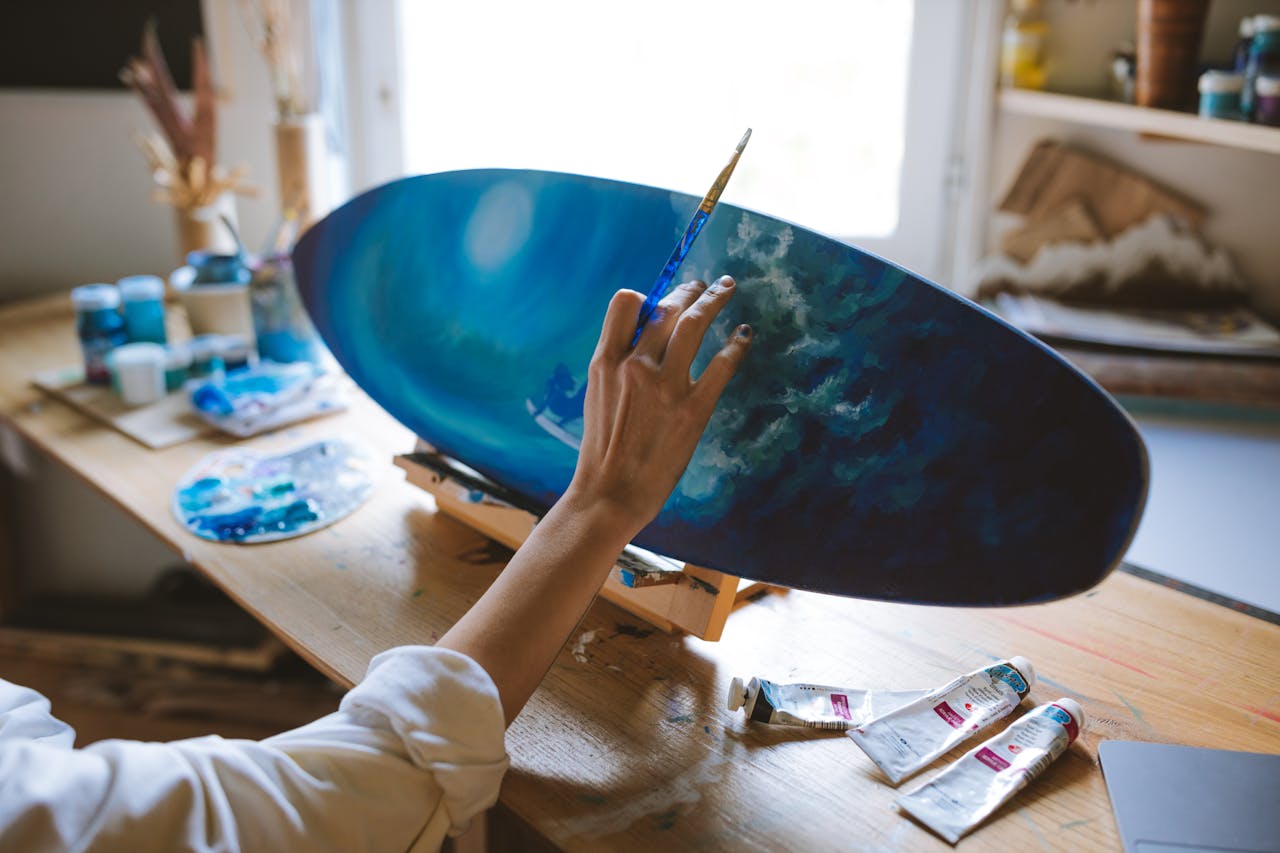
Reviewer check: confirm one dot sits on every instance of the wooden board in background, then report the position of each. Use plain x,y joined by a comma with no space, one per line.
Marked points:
164,423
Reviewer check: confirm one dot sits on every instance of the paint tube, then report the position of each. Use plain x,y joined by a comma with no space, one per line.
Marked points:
906,739
813,705
968,791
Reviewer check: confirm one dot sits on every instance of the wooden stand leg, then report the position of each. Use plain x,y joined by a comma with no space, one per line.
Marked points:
690,599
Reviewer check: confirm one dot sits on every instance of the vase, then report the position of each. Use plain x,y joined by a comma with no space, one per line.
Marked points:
301,165
1168,49
203,228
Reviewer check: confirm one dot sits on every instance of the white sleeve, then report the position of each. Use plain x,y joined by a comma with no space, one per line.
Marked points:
414,750
24,715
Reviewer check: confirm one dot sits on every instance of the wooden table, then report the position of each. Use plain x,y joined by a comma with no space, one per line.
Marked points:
627,745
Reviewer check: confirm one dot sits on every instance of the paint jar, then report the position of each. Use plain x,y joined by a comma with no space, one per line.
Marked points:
214,291
1220,94
1240,56
1264,60
214,268
1022,46
1123,69
235,351
177,364
205,356
143,297
138,372
1266,108
280,323
99,326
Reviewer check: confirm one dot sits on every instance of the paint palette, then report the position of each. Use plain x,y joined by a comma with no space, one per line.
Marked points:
243,496
885,438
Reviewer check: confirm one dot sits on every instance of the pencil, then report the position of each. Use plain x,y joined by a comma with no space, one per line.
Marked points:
691,233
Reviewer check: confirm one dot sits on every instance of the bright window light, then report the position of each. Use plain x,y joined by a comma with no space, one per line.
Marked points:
659,93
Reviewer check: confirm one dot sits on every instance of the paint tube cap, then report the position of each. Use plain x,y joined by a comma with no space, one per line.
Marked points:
1024,666
737,695
1073,708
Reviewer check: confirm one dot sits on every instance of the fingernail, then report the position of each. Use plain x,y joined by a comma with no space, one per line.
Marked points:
744,331
726,282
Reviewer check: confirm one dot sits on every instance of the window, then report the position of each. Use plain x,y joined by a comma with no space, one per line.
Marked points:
659,94
856,105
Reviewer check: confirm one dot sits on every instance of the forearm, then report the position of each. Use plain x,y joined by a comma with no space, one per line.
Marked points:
519,625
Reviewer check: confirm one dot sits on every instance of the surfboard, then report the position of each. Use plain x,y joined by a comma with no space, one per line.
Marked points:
886,438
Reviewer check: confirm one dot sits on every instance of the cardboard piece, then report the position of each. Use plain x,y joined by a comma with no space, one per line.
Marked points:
1054,174
1071,222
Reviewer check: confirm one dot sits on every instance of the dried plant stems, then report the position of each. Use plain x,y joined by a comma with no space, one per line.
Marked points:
182,156
271,24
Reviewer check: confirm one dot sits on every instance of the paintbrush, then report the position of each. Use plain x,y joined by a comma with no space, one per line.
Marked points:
691,233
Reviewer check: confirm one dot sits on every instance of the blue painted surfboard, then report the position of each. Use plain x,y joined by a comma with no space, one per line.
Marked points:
885,438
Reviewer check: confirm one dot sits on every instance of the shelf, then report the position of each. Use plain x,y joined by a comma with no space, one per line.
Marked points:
1111,114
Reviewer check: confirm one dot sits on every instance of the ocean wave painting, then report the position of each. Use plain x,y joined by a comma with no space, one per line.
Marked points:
885,438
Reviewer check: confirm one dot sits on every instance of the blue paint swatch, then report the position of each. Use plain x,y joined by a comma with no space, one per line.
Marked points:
243,496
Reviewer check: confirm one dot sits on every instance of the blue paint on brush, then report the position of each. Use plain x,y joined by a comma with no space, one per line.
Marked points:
691,232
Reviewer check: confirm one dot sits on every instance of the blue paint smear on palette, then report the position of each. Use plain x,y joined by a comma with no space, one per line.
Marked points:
244,496
885,438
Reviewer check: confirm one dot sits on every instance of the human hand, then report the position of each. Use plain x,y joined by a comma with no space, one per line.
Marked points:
644,413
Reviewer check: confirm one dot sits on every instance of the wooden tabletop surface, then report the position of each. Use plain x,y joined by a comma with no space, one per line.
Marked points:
627,745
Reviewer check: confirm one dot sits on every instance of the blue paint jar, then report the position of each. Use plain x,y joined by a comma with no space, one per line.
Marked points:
1220,94
235,351
100,327
143,297
213,268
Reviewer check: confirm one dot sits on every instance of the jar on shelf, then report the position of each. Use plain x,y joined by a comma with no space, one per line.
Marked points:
1266,109
1264,59
1022,62
1220,94
1240,57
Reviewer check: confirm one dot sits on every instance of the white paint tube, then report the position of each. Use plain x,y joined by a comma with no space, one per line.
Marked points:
906,739
814,706
968,791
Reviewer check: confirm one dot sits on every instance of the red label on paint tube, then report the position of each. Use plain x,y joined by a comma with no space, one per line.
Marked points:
950,716
990,759
1068,722
840,704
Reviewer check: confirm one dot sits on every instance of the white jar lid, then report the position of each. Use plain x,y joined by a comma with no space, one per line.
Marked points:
1024,666
1267,87
1073,708
1221,82
141,288
129,355
95,297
